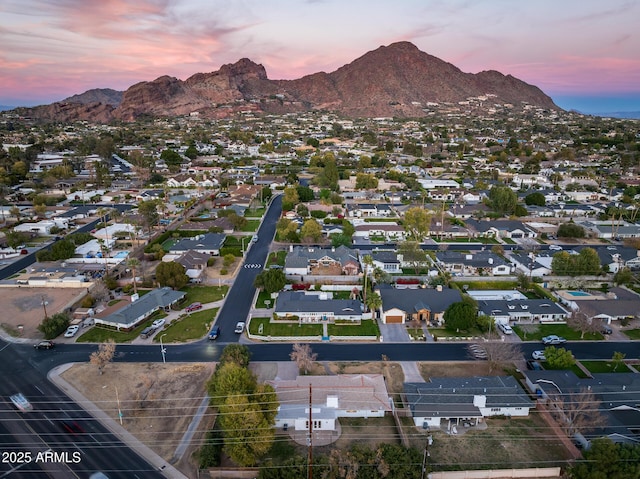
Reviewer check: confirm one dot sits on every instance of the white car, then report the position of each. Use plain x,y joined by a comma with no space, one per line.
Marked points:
239,327
158,323
21,402
553,339
71,331
555,247
538,355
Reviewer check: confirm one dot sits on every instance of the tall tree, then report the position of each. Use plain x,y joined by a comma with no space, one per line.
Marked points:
417,222
311,231
460,316
270,280
171,274
412,254
503,200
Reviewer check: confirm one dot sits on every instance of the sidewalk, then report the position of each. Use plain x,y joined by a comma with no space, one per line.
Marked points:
125,436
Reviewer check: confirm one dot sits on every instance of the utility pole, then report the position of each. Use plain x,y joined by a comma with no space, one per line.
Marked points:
310,439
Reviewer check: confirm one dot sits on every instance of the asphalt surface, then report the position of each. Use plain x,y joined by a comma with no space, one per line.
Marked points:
25,437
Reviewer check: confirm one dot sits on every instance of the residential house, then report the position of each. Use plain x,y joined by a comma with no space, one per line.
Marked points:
134,313
618,303
429,305
333,397
618,395
387,231
308,260
310,307
387,261
611,230
471,264
449,403
533,265
511,229
195,265
523,311
209,243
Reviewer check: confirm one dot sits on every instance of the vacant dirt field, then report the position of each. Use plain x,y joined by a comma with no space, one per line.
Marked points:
23,310
158,401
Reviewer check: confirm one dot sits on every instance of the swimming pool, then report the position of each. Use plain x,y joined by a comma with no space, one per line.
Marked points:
121,254
578,293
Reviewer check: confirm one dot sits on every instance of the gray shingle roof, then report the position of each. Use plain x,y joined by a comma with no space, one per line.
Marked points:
408,299
143,307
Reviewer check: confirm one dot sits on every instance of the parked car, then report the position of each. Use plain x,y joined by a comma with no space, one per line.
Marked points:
158,323
553,339
44,345
534,365
71,331
214,333
239,327
555,247
193,307
505,328
538,355
21,402
146,332
606,330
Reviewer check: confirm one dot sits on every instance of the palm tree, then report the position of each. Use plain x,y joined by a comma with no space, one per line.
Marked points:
368,261
133,263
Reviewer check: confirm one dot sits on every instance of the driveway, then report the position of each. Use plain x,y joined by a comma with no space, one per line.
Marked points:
394,333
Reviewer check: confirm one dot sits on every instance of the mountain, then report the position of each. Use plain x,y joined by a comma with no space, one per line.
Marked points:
396,80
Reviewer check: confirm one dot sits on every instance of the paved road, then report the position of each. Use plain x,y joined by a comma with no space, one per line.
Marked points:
240,297
40,430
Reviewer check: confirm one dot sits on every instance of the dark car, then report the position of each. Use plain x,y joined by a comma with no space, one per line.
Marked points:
606,330
534,365
72,427
214,333
44,345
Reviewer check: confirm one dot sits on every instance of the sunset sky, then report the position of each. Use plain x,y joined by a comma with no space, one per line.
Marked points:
585,54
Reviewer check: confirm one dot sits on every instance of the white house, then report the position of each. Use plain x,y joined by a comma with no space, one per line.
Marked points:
343,395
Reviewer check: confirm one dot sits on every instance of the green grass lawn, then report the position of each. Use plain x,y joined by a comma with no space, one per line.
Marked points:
605,367
262,297
535,332
252,225
254,213
284,329
188,327
416,334
368,327
203,294
169,243
99,334
632,333
277,257
491,285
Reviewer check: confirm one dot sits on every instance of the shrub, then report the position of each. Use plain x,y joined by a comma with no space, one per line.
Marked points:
53,326
87,301
223,271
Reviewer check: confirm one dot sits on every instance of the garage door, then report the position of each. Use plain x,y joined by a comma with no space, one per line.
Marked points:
393,319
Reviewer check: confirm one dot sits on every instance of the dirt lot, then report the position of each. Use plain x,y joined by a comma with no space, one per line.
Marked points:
157,401
22,308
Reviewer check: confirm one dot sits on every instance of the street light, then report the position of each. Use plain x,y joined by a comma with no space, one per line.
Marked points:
162,349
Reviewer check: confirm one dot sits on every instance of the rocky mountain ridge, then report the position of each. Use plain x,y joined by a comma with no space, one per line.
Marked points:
396,80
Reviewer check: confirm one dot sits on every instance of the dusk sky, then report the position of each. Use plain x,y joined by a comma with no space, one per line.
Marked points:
585,54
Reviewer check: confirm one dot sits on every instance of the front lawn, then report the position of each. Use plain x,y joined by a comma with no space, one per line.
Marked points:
605,367
535,332
188,327
254,213
277,257
204,294
283,329
445,333
632,333
368,327
262,297
252,225
100,334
